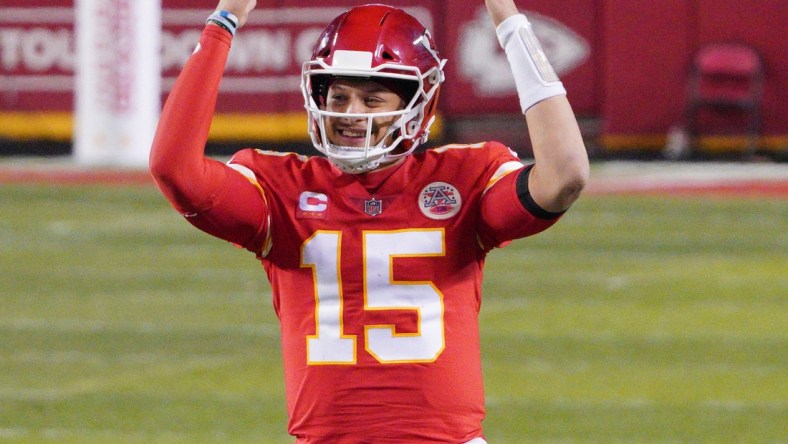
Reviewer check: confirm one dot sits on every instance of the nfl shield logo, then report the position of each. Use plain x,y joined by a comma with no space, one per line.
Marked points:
373,207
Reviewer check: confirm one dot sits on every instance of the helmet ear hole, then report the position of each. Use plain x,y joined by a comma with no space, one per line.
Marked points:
435,77
412,127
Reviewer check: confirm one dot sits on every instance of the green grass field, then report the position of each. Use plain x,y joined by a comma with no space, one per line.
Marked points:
634,320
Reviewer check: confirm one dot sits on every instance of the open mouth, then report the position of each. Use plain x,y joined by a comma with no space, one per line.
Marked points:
351,136
353,133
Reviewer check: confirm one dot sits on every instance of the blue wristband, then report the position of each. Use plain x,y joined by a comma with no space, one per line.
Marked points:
225,20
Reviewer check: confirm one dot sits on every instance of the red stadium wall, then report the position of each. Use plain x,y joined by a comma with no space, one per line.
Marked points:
623,62
647,49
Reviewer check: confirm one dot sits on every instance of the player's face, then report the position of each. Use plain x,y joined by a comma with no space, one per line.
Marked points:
359,96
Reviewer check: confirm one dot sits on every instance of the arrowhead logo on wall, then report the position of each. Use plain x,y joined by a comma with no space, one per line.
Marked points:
483,62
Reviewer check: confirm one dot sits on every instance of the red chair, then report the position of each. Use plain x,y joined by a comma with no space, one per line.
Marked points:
725,93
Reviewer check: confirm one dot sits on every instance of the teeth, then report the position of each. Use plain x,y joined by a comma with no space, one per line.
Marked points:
348,133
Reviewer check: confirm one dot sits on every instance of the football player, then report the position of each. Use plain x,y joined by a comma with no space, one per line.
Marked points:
374,253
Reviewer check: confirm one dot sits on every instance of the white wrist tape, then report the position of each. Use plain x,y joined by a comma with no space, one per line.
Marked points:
533,75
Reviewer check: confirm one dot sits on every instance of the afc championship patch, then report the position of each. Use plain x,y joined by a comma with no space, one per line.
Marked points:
440,200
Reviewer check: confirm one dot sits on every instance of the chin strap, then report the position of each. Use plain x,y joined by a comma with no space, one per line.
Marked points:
356,168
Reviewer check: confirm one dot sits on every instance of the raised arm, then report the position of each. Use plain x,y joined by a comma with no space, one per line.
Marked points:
177,162
211,195
561,161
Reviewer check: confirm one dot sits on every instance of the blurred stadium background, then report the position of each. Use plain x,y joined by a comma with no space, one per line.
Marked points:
655,312
627,66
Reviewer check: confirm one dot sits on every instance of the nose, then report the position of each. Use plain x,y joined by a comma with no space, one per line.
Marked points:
356,105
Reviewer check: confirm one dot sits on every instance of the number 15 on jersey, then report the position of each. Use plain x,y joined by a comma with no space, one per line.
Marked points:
322,252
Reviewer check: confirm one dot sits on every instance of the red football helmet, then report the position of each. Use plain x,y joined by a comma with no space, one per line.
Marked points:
386,45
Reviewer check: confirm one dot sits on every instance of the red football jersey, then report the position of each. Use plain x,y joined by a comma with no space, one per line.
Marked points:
378,291
376,277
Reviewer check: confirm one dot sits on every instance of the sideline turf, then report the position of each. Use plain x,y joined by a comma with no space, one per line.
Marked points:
635,319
